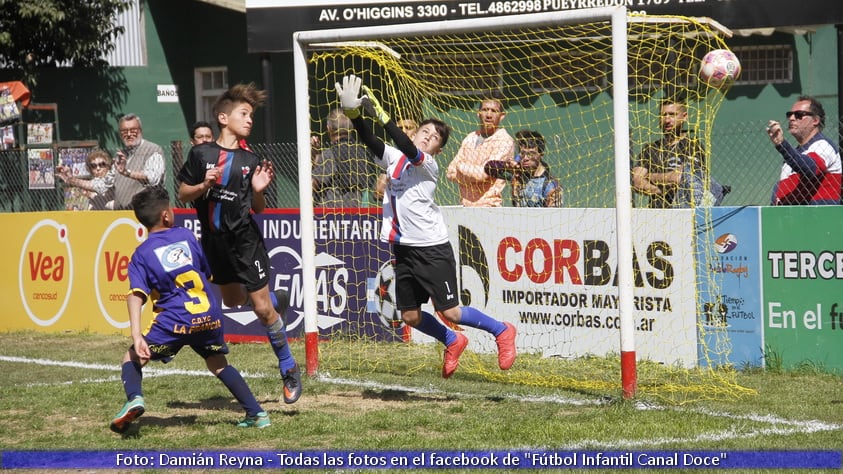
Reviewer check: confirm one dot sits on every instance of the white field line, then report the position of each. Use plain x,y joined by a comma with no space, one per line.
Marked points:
777,425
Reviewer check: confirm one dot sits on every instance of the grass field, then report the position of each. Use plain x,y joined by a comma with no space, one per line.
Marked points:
59,392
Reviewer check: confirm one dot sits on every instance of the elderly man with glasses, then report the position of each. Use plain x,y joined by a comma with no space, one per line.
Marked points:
811,172
139,164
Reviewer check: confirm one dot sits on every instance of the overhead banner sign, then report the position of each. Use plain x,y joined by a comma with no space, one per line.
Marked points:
271,23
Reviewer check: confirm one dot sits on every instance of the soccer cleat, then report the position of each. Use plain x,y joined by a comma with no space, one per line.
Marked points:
506,347
283,302
261,420
130,412
452,355
292,385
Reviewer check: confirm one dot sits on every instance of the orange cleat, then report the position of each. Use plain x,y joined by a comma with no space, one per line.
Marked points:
506,347
452,355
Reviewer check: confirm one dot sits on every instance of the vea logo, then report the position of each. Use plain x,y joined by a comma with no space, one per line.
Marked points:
111,268
726,243
45,272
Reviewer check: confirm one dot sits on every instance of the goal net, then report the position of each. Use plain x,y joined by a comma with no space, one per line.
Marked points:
586,283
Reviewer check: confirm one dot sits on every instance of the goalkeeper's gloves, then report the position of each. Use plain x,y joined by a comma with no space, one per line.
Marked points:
349,95
373,107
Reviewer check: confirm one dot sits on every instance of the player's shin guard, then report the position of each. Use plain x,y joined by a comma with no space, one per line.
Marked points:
278,340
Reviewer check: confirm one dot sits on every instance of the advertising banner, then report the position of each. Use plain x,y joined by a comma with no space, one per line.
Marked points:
802,259
68,270
729,283
553,273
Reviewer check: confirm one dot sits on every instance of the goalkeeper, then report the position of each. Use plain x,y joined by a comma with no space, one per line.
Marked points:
425,267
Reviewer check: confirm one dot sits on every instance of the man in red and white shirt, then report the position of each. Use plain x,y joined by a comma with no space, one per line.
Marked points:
811,172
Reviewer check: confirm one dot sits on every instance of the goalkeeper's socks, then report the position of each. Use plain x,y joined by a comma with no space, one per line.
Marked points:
475,318
433,328
233,380
131,375
278,340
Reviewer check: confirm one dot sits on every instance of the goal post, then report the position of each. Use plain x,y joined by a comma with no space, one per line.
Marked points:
585,280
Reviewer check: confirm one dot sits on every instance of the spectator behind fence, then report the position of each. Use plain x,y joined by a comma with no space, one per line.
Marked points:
532,183
346,170
489,142
100,187
811,172
140,163
201,132
673,171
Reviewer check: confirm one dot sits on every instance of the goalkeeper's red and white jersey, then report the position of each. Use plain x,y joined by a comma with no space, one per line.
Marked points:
410,215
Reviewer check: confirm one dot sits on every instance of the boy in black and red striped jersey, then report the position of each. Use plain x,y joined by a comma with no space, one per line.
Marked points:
226,181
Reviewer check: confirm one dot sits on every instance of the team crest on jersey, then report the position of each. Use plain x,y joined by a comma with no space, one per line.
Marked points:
174,255
245,170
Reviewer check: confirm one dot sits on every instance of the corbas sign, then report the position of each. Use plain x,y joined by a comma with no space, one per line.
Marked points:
271,23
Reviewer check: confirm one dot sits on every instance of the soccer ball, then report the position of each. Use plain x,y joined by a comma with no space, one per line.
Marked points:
720,68
384,295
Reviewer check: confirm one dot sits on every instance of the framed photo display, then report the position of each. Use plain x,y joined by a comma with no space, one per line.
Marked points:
41,168
39,133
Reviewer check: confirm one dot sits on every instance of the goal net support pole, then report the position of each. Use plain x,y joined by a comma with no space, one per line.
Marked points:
623,202
618,18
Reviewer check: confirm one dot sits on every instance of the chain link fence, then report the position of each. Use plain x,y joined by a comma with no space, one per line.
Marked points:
741,157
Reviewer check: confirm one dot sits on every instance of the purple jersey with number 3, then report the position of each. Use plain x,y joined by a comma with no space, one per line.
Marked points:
171,269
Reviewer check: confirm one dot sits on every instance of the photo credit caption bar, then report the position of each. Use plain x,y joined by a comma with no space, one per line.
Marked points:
521,459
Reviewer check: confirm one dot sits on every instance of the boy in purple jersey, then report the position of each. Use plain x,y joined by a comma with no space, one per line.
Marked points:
226,181
170,269
425,267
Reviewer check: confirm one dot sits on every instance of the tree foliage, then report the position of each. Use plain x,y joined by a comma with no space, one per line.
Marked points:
51,33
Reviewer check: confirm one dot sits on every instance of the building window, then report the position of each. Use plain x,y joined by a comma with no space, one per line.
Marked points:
771,64
210,83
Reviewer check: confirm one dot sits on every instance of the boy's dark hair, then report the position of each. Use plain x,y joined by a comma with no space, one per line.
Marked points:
816,108
240,93
442,129
530,139
148,204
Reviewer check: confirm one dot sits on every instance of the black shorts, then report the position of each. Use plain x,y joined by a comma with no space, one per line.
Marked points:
423,273
238,257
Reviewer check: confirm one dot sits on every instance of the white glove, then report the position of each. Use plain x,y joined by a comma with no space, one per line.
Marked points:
349,95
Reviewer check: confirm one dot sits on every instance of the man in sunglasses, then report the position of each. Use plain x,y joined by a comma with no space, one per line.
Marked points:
811,172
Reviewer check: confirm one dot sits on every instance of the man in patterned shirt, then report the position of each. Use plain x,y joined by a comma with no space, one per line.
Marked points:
489,142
